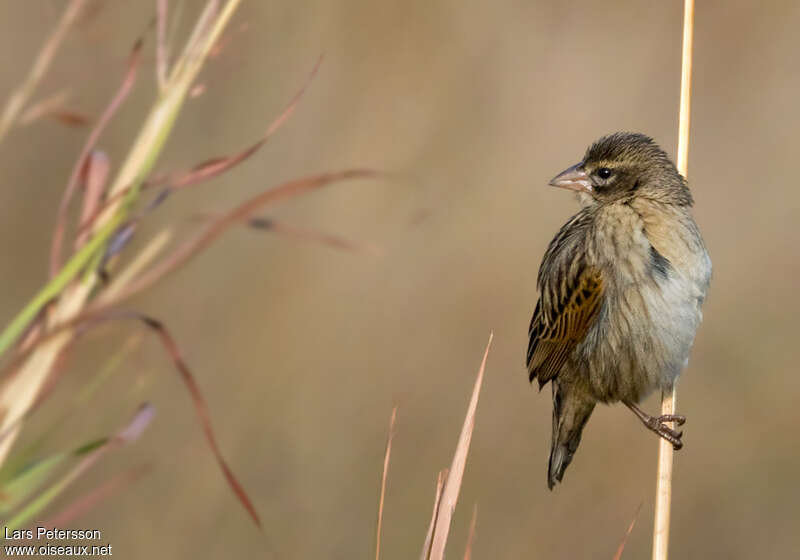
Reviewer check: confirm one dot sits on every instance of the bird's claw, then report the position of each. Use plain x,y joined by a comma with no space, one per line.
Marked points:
677,418
657,424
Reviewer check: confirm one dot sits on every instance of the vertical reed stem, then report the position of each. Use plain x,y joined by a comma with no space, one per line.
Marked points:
668,398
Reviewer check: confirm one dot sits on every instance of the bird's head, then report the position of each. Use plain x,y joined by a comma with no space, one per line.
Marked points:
622,166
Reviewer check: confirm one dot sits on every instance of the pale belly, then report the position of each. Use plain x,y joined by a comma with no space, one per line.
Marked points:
642,339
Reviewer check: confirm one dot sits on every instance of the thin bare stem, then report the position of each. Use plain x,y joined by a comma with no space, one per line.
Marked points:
17,101
686,87
624,541
162,52
383,483
437,502
99,494
668,398
48,106
471,534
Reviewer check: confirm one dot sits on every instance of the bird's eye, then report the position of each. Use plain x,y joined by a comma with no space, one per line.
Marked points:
604,173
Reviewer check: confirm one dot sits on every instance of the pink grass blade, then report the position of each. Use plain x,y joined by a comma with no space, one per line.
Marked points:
72,184
437,502
129,433
92,318
210,168
183,253
202,411
162,54
213,167
95,175
471,535
197,90
452,485
624,541
386,457
16,102
69,117
89,501
200,405
45,107
315,236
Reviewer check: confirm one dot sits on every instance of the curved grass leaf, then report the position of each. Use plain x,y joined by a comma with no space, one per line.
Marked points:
30,480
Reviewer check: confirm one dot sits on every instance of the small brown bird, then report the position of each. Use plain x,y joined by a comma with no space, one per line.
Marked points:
621,286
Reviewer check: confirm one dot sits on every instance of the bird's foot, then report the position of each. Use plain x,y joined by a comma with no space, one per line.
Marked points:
659,426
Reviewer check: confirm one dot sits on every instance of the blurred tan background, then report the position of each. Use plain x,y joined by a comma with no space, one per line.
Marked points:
302,350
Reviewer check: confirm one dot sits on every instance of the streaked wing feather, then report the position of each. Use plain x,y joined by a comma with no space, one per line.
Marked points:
555,332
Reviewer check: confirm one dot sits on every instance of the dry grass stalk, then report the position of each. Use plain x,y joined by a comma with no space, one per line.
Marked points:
47,106
142,260
323,238
241,213
626,536
386,457
452,485
91,499
665,451
128,434
16,103
95,173
19,392
437,501
162,50
471,535
80,164
75,300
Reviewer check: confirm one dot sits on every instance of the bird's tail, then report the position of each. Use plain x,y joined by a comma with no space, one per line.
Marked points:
570,414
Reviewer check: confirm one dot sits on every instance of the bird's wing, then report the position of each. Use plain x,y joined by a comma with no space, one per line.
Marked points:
561,321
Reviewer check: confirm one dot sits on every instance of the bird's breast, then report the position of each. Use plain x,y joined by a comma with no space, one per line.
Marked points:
657,273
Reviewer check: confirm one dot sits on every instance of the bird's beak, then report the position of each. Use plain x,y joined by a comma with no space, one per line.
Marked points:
573,178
